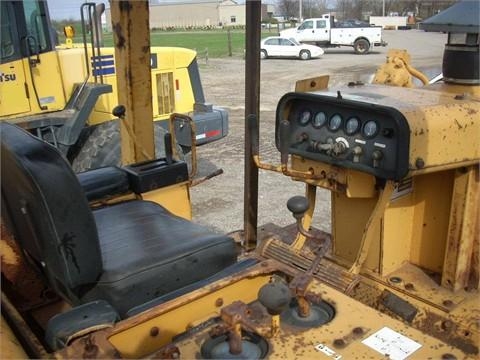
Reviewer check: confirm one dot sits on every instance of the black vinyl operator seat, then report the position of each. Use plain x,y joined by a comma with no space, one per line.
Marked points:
126,254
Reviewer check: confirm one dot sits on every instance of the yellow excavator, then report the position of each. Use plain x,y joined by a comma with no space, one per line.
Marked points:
65,94
101,265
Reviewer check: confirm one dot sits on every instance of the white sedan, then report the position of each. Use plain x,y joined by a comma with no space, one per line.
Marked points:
284,47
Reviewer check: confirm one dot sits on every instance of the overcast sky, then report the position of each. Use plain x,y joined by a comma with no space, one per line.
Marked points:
65,9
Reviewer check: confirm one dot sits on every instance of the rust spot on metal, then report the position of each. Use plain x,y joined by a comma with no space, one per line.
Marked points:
433,325
90,349
448,356
409,287
447,303
419,163
154,331
117,29
357,331
125,6
447,325
339,343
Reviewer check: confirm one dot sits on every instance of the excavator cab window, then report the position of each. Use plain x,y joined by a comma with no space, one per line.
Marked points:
37,29
9,49
25,29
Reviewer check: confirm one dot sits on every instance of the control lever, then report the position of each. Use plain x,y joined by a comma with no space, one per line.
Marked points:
300,284
275,296
298,205
168,148
119,111
284,136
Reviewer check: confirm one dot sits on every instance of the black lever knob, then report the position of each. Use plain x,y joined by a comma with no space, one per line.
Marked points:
275,296
119,111
298,205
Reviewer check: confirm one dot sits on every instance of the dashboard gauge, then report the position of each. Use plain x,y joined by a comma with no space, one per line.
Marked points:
319,120
335,122
370,129
305,117
352,126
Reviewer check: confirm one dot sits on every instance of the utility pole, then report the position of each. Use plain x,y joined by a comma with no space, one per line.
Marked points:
300,12
383,9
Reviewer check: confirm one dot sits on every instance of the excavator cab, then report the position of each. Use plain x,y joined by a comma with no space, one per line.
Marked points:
28,56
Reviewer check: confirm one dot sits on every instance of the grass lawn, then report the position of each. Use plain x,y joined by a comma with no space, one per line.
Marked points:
216,41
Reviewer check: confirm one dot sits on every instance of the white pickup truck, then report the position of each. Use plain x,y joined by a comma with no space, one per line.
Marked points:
323,32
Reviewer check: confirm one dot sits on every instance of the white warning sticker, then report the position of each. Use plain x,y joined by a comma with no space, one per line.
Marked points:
389,342
327,351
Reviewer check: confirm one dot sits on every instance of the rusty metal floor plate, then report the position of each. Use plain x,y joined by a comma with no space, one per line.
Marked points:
332,274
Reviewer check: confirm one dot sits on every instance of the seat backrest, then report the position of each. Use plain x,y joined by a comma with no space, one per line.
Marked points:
49,214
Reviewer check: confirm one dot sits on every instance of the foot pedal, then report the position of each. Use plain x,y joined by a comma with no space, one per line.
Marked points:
332,274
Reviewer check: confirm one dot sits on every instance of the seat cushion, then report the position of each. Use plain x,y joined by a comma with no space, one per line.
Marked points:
147,252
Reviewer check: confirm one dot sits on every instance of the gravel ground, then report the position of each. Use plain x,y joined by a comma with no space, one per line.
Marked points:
218,203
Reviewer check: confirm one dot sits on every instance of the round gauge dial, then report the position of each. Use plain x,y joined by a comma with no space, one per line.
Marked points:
352,126
370,129
304,117
335,122
319,120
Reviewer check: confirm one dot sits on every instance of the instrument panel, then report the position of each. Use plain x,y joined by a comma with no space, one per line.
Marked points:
347,133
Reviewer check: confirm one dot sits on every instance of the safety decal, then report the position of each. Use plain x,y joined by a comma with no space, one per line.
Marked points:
103,65
389,342
327,351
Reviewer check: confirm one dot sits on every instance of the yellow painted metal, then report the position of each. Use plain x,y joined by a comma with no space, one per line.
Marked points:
132,54
462,228
133,340
441,124
312,84
14,99
354,212
10,347
370,232
44,79
175,198
171,62
448,316
343,336
431,200
54,78
397,224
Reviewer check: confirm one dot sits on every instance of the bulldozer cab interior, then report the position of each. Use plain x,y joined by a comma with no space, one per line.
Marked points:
398,276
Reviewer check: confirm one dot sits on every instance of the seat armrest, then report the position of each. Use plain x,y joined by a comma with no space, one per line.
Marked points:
78,321
103,182
154,174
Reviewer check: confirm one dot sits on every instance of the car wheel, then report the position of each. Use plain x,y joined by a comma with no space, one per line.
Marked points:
263,54
361,46
305,55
